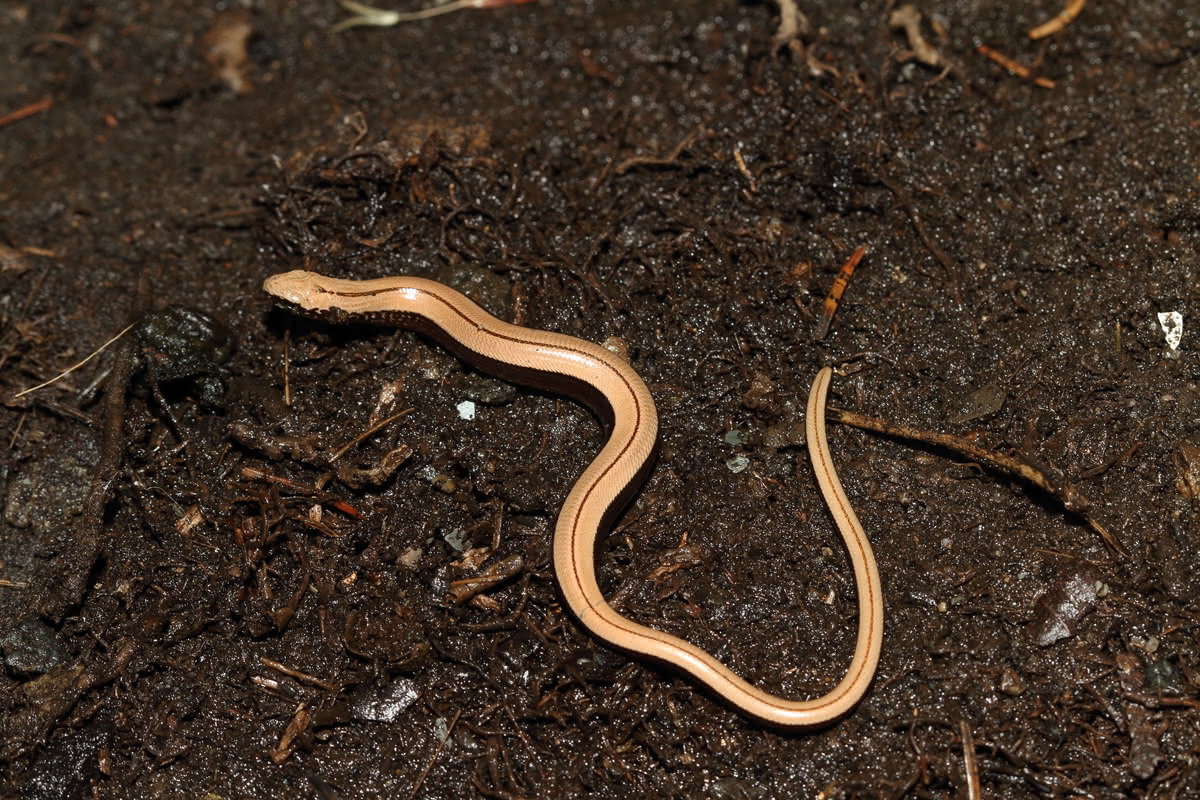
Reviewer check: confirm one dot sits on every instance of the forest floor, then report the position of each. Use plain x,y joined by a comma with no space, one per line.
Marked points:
202,597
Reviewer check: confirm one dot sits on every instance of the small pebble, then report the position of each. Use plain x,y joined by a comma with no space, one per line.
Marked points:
737,464
411,557
32,648
1011,683
385,705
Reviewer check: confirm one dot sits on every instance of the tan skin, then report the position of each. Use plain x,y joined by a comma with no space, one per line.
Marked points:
612,388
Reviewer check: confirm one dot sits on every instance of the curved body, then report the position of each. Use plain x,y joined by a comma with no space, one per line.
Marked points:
612,388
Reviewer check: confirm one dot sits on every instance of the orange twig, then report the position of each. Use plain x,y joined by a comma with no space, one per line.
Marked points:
1014,66
26,111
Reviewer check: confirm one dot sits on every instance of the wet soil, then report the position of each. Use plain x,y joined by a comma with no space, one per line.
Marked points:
198,599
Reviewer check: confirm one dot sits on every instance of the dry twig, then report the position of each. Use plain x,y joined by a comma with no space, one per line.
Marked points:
909,19
1060,21
26,111
1067,493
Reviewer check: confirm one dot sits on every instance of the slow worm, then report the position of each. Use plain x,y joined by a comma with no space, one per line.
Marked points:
614,391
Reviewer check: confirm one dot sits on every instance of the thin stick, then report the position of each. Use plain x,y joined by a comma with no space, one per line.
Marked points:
1068,494
342,450
969,765
641,161
1062,20
26,111
17,431
69,370
298,675
742,168
287,364
437,751
947,263
1014,66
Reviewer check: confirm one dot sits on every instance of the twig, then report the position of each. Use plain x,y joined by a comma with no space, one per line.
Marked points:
908,18
287,365
26,111
12,440
301,719
1014,66
1062,20
742,168
437,751
651,161
341,451
254,474
70,41
298,675
947,263
1100,469
1069,495
71,369
969,765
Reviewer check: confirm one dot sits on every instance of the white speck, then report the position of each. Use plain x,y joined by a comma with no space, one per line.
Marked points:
455,539
466,410
1172,326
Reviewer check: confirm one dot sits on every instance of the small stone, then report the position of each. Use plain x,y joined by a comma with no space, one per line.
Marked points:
737,464
1011,683
455,539
385,705
32,648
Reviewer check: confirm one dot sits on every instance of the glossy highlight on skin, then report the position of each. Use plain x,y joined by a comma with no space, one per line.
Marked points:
615,391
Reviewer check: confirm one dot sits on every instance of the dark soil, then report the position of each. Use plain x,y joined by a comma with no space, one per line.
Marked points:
197,602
